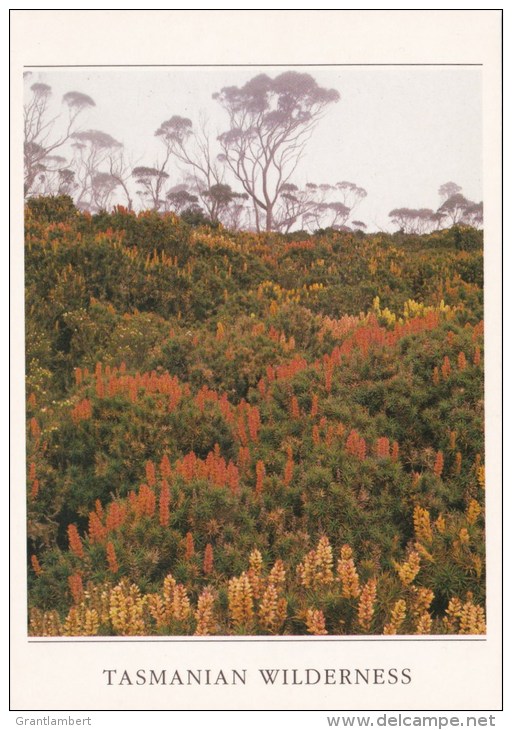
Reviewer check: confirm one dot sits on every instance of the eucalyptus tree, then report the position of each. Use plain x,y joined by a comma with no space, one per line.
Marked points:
120,169
180,199
270,123
454,208
46,133
315,206
446,190
413,220
193,150
151,181
474,215
94,183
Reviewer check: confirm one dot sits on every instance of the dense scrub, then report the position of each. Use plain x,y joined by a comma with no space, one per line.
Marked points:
240,433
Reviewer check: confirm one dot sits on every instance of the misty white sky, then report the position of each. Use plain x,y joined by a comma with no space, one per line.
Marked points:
399,132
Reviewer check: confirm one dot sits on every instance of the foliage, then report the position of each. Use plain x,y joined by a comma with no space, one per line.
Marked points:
251,433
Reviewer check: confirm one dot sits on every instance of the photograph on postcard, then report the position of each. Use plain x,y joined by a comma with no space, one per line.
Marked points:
254,351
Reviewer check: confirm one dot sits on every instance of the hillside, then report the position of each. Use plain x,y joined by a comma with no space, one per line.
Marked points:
239,433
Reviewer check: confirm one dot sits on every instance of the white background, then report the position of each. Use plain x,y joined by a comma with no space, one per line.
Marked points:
365,38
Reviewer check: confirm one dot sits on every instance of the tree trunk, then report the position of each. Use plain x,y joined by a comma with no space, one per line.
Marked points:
268,220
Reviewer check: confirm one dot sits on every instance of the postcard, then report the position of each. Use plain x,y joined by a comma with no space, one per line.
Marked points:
256,285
